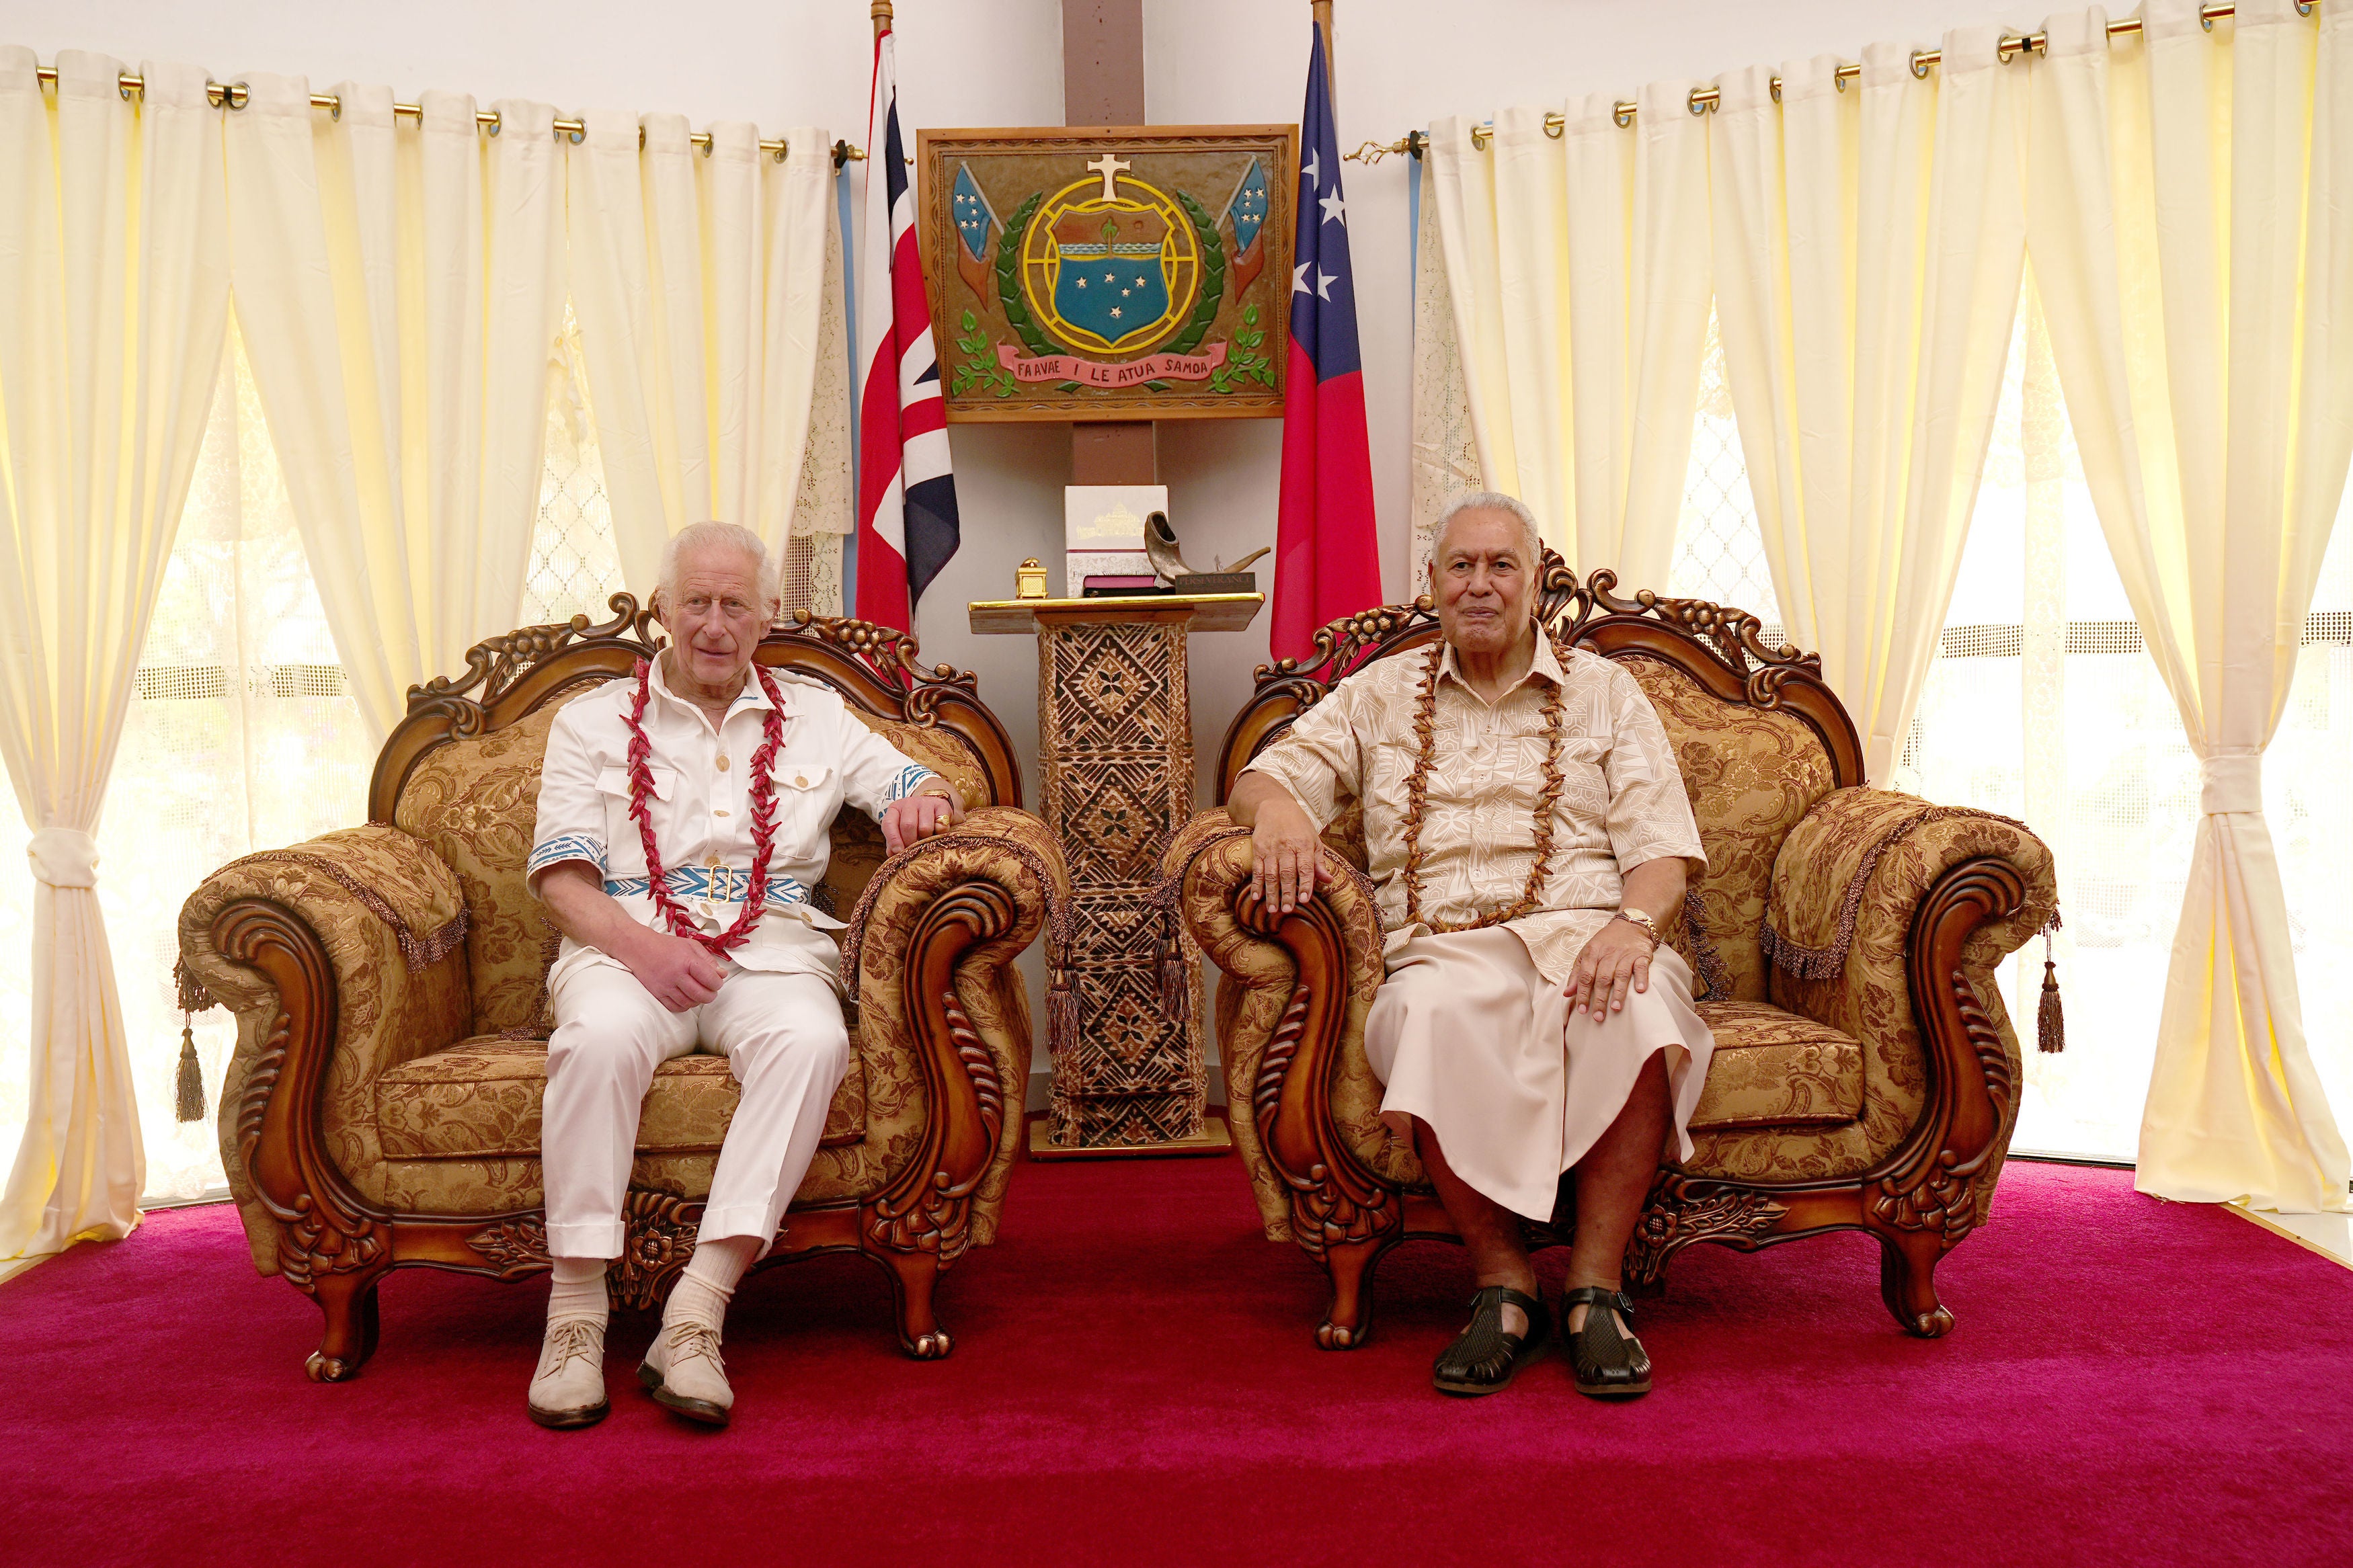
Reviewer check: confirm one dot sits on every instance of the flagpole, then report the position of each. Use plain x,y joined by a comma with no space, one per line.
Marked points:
1322,10
881,15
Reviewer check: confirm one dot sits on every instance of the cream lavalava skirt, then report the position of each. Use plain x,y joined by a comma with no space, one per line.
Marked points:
1467,1034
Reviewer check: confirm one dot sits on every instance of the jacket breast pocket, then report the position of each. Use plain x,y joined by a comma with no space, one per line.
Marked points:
807,796
620,827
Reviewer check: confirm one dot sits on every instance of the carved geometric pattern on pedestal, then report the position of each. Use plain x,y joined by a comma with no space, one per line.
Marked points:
1116,812
1127,1044
1114,690
1116,757
1133,1119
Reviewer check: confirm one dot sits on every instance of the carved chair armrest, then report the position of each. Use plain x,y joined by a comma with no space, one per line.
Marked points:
931,950
341,958
1854,872
1291,1015
1886,919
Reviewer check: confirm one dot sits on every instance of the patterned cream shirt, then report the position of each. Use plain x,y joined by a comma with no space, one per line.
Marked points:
1621,800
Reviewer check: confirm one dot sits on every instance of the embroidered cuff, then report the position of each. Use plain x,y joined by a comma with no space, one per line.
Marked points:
568,846
909,781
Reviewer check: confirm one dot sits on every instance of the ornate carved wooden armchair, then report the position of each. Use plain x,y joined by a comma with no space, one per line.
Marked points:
382,1108
1865,1075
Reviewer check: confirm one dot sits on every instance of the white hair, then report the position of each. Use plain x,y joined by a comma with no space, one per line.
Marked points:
1490,500
706,535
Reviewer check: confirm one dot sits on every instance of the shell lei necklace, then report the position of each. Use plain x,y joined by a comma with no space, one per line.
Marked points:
1416,790
764,818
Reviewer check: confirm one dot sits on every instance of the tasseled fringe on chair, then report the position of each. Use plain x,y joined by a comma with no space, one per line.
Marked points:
1176,978
1062,1015
2049,1023
194,999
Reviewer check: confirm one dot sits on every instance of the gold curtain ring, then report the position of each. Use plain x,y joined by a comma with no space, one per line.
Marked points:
1919,68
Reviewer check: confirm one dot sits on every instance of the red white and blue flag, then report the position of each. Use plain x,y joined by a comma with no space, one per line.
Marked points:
906,494
1327,552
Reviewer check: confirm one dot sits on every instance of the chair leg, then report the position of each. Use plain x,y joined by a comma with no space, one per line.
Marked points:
1907,1282
1348,1320
912,1276
349,1303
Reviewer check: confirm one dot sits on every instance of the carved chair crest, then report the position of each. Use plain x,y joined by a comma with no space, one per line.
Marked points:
1716,645
508,678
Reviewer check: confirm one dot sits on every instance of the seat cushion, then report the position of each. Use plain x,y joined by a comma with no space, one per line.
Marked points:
1775,1068
480,1100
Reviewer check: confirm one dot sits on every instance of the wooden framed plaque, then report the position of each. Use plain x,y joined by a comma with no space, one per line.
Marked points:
1119,273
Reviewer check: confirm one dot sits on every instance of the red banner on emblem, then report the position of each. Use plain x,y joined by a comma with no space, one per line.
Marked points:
1134,373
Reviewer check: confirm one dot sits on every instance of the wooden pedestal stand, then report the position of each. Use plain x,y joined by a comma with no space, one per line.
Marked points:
1115,757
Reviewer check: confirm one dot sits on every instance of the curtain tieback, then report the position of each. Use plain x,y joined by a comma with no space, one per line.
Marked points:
64,858
2233,782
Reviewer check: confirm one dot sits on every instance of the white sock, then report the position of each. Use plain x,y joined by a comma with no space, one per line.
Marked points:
578,1293
709,1283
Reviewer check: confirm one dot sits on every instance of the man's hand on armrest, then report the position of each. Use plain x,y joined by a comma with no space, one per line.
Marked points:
676,972
934,808
1286,850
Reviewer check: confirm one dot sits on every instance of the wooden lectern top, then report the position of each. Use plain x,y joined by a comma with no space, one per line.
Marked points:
1206,612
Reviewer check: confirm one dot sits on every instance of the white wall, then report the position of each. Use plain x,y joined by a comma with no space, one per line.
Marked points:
1401,63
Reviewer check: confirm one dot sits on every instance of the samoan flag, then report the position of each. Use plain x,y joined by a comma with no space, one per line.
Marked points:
1327,552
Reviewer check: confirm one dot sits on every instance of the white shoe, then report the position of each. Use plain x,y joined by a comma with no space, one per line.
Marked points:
568,1389
683,1372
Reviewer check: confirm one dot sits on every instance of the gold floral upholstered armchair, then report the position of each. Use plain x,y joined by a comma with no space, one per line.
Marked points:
382,1108
1865,1075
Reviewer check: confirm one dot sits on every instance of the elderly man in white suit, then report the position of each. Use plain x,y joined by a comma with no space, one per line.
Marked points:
684,815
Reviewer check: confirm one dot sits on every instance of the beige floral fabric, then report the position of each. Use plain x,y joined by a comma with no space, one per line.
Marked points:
1773,1068
1623,801
480,1098
1752,774
475,802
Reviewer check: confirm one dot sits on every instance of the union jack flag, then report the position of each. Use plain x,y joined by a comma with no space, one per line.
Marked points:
906,493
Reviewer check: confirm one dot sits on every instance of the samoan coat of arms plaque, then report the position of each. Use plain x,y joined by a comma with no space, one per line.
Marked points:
1110,273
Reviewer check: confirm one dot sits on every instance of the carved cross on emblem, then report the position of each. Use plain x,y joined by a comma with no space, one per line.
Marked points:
1107,166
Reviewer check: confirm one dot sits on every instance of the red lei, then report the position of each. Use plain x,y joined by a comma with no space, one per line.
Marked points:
764,818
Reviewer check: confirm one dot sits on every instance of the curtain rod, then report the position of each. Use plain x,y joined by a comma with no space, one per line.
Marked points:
1703,99
236,95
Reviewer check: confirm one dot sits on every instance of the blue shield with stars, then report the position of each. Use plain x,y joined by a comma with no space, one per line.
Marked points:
974,216
1114,290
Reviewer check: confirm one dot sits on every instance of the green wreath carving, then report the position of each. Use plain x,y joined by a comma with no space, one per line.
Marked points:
1009,278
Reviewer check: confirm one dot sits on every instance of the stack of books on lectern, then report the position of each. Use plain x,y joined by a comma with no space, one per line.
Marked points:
1103,529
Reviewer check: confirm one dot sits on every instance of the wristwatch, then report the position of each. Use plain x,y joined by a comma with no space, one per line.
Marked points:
1642,918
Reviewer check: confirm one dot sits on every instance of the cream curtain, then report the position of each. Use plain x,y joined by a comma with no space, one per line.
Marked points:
1868,243
1577,263
114,271
2190,211
399,286
700,283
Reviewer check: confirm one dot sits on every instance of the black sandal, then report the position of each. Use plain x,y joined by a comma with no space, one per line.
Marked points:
1484,1357
1609,1362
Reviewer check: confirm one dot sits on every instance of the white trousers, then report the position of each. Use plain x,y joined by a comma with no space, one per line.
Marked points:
784,1038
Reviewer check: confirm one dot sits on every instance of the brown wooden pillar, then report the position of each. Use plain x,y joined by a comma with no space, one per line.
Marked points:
1103,84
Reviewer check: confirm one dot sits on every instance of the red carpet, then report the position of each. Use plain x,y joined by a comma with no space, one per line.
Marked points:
1135,1382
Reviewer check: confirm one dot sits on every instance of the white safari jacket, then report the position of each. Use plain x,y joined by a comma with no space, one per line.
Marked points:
702,809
